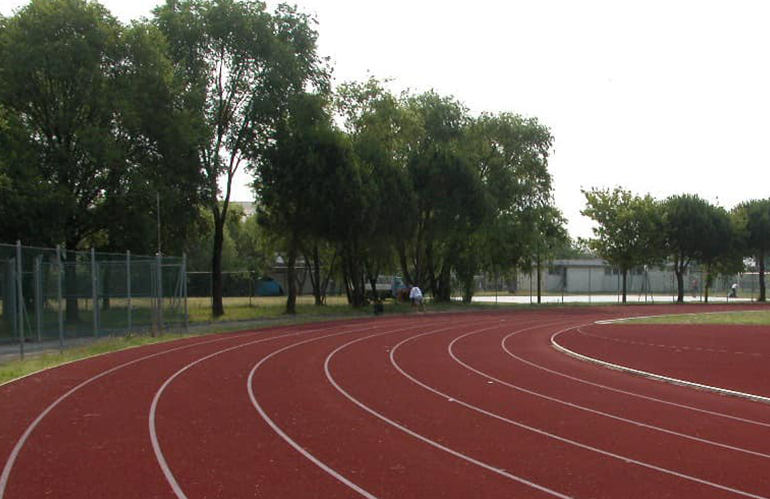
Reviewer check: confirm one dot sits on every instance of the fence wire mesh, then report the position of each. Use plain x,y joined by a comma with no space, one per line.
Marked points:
51,295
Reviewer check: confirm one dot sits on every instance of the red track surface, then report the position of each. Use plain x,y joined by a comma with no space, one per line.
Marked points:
454,406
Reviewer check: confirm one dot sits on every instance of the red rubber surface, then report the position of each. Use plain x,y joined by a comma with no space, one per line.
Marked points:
453,406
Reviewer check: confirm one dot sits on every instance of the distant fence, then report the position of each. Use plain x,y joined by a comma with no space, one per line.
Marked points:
578,278
49,295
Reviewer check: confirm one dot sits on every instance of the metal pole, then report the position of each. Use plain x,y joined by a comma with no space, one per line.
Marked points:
19,299
60,271
159,265
128,288
38,297
157,211
184,289
94,293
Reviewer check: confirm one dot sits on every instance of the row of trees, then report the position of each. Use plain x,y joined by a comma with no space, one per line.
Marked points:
634,231
100,120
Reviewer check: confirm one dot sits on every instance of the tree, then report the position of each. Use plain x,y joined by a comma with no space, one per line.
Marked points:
243,65
548,236
448,190
719,252
93,110
378,127
690,225
628,229
308,184
512,156
754,224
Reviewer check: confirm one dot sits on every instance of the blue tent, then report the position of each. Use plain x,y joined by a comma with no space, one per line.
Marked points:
267,286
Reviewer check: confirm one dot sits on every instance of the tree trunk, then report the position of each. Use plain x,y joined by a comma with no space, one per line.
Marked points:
762,296
291,299
707,285
217,307
404,263
625,280
539,291
679,284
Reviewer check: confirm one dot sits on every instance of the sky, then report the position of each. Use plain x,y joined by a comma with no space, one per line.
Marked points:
657,97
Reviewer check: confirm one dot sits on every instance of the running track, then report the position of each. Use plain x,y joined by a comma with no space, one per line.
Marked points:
425,406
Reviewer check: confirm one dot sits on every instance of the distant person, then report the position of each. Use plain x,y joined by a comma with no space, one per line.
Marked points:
734,290
695,288
415,294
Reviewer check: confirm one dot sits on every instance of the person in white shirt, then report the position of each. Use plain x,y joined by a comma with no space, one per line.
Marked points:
415,294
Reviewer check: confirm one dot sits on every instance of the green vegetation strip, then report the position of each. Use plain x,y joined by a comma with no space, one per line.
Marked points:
241,314
756,318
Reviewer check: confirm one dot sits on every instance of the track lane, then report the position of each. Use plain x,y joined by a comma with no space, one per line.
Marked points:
92,431
198,432
444,372
387,463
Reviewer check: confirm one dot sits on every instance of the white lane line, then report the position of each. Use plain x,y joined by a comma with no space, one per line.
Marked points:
296,446
594,411
159,456
618,457
624,392
25,436
420,437
659,377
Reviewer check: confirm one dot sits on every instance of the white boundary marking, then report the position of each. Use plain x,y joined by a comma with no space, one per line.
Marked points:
277,429
624,392
563,439
595,411
159,456
422,437
5,476
658,377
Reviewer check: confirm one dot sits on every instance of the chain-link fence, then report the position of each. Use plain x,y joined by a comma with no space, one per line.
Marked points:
593,279
52,295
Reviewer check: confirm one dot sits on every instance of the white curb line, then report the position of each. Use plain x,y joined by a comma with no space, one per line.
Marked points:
657,377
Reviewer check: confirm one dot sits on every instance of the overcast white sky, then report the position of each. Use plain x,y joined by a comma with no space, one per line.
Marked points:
659,97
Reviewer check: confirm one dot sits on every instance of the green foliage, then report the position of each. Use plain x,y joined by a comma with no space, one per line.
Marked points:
628,230
243,66
308,183
753,222
96,131
695,230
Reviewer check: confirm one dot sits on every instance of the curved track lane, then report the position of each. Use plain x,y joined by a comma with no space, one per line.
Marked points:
426,406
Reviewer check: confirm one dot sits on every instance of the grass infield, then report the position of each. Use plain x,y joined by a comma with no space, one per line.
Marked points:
753,317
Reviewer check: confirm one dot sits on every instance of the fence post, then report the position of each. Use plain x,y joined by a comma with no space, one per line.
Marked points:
128,287
94,293
184,290
19,299
159,265
38,278
59,272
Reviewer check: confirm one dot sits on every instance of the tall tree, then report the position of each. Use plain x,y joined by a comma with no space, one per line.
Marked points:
308,184
378,127
689,224
754,223
73,79
448,189
628,229
243,65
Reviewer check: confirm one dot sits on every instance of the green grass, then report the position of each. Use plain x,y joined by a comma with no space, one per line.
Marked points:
34,363
756,318
245,313
240,314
